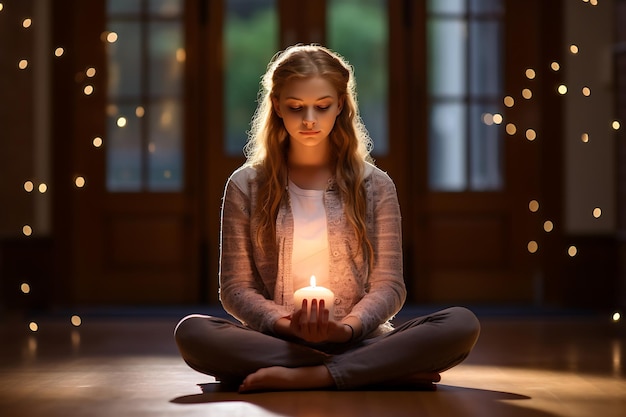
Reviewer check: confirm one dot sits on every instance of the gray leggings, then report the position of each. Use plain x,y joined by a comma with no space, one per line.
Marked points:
431,343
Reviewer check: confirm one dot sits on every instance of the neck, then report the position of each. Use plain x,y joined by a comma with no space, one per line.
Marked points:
309,157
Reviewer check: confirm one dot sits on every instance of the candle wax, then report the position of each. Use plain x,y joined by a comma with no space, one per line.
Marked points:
313,292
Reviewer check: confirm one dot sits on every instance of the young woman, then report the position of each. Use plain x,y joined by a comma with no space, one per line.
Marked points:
309,201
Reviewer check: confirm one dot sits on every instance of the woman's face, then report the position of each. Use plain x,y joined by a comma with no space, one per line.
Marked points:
308,109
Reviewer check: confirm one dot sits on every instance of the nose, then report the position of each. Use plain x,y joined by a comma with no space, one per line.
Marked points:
308,120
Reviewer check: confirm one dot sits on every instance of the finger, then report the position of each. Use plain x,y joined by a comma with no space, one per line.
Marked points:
314,312
304,313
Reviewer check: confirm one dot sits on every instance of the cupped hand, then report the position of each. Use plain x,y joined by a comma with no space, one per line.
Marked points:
316,326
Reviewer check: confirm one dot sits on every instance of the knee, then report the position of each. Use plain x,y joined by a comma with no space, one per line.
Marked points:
187,329
467,324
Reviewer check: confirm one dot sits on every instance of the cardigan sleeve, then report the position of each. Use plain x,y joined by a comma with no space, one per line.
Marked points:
385,291
243,293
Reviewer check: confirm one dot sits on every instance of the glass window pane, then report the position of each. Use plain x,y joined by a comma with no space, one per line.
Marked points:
358,30
486,6
123,6
485,58
447,6
123,147
165,8
447,147
165,58
165,159
485,149
250,41
124,60
447,55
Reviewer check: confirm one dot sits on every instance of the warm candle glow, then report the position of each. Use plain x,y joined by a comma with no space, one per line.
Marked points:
314,292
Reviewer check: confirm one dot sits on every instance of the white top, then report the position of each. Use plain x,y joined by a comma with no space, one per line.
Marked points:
310,237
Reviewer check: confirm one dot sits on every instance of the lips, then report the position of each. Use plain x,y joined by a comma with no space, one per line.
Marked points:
309,132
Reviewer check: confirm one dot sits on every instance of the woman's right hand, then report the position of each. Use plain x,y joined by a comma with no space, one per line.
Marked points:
316,327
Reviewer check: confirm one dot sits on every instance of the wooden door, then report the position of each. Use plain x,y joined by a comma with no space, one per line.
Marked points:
126,203
470,238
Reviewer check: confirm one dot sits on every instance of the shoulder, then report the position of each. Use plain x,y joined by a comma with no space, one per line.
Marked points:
376,177
242,177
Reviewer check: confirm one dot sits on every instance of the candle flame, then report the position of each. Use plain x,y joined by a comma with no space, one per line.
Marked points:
313,281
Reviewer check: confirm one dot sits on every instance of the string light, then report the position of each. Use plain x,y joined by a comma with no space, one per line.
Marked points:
91,72
88,90
497,118
111,37
616,317
533,206
597,212
121,121
511,129
586,91
548,226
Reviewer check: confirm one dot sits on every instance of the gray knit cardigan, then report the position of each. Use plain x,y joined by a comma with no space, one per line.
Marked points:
255,280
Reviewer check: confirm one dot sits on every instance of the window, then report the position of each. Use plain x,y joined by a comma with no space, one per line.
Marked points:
465,79
250,41
146,57
358,30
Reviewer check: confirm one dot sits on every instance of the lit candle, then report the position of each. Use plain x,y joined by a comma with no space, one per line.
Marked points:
314,292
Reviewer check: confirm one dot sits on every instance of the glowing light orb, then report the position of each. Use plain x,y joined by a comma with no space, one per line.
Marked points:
533,206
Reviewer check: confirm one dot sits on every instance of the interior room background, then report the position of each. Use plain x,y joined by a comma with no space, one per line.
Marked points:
499,121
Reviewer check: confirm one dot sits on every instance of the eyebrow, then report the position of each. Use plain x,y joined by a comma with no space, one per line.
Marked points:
299,99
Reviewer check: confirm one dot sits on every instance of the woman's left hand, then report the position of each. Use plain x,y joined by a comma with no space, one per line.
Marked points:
316,327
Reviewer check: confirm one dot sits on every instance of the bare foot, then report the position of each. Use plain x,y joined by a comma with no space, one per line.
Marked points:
277,378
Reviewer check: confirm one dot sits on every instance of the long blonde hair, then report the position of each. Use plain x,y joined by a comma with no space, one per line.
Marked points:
267,145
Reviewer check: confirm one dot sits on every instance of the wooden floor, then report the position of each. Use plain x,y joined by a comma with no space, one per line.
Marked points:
524,365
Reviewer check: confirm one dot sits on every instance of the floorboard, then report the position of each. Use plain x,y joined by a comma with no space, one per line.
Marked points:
524,365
